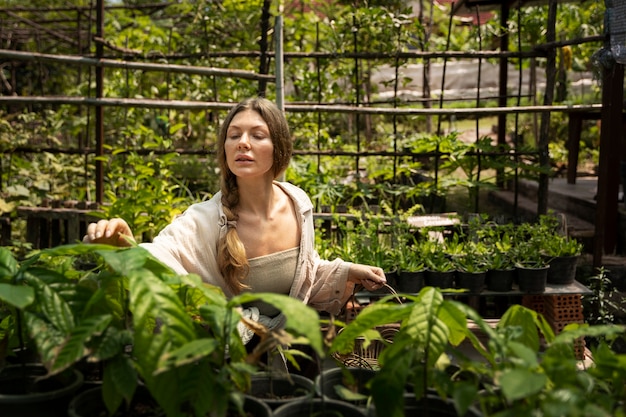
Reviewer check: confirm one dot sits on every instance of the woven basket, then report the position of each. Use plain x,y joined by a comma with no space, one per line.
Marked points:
367,357
363,356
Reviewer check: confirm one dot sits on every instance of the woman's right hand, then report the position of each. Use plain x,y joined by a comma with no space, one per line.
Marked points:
114,232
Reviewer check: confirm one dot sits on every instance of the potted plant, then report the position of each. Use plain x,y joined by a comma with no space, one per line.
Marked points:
413,366
440,269
561,251
156,329
471,266
409,257
531,266
527,369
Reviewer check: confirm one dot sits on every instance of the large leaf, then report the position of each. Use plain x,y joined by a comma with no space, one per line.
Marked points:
118,383
187,354
8,265
302,320
73,349
46,337
424,326
389,384
526,320
18,296
55,309
574,331
517,384
151,298
124,261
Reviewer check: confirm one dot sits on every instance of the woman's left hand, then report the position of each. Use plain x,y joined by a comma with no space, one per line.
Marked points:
370,277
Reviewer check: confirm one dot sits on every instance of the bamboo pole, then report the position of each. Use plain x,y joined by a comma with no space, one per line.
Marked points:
143,66
295,108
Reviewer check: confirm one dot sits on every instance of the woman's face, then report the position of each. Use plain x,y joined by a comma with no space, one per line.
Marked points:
249,147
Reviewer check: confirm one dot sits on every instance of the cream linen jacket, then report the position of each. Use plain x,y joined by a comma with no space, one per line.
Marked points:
189,246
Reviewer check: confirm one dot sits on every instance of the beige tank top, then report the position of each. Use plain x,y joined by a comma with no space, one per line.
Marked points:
272,273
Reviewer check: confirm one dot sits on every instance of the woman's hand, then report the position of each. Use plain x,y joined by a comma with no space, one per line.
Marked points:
114,232
370,277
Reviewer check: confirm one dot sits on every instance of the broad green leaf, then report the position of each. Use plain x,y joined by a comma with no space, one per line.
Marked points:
187,354
347,394
46,337
8,265
455,320
18,296
151,298
119,382
55,309
521,383
389,384
574,331
524,318
523,352
464,395
123,261
73,349
371,317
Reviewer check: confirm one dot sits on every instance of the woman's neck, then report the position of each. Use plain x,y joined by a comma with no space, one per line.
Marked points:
257,197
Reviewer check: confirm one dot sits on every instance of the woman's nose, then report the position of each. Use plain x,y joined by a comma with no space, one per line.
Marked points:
244,141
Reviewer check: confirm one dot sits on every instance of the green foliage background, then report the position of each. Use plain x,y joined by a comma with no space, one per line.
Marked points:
149,171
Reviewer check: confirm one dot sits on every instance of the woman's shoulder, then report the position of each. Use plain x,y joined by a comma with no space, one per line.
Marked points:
296,193
210,207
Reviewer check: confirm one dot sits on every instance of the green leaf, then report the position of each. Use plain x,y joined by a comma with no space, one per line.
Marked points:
347,394
73,349
46,337
8,265
119,382
455,320
524,318
18,296
123,261
523,352
55,309
371,317
521,383
574,331
187,354
464,395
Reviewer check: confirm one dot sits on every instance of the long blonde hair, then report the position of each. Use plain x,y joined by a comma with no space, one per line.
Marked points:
231,254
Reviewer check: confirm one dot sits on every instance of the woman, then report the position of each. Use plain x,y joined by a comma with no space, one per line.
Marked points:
256,234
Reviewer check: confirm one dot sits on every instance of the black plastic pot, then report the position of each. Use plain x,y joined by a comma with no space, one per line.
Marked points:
440,279
89,403
318,407
473,282
500,280
434,406
410,282
27,391
353,379
562,270
276,390
532,280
